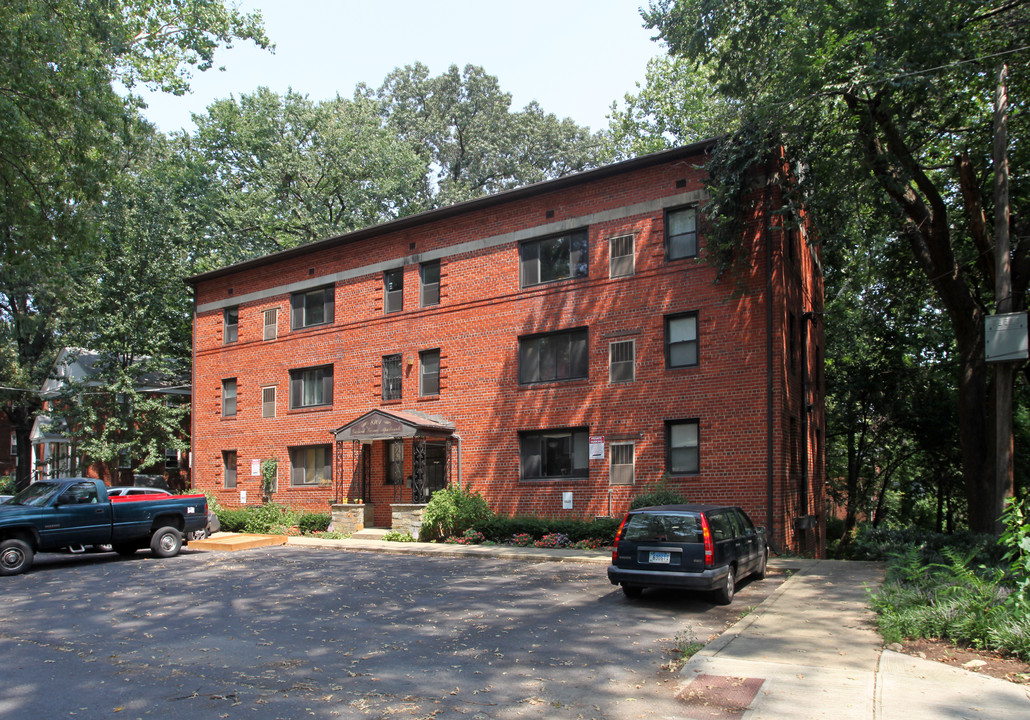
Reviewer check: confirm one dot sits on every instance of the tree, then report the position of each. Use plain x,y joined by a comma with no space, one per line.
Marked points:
899,93
470,141
676,105
61,126
283,170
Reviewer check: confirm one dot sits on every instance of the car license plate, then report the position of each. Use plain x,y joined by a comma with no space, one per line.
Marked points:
658,557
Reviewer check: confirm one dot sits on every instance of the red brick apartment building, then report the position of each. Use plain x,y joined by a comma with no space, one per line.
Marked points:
559,347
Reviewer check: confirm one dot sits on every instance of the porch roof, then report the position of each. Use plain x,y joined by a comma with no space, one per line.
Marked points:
383,424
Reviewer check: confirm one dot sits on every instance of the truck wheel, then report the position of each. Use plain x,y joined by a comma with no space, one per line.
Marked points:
15,557
166,542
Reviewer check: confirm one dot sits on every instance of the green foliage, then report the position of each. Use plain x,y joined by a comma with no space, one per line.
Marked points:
659,493
270,518
882,543
954,599
1016,541
502,529
269,470
470,141
885,113
7,485
312,522
452,511
232,520
395,536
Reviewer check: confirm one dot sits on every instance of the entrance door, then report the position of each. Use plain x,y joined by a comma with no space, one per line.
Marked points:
436,467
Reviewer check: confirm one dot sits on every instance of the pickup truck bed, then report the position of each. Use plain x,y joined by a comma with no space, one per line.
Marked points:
54,515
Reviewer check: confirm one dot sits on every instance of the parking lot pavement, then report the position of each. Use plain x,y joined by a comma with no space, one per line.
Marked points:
290,632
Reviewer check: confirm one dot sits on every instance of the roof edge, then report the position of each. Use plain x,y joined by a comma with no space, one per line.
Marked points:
486,201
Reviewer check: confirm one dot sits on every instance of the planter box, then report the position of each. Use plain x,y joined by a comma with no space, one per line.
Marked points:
407,518
348,519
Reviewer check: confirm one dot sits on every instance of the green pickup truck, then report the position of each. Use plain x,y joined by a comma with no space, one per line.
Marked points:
75,513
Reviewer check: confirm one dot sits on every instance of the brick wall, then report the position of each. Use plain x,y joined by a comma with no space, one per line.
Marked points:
476,327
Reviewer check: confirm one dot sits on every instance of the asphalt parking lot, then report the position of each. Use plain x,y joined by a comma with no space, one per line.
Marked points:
290,632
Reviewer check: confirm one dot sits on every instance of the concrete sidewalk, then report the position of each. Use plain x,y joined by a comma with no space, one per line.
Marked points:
811,650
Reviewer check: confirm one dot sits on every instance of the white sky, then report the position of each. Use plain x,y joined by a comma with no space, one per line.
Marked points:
574,57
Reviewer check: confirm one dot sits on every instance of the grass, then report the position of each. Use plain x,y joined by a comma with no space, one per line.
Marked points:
685,646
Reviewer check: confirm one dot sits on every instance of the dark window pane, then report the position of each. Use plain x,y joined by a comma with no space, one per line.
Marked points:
430,292
681,233
392,377
554,454
555,258
430,372
555,356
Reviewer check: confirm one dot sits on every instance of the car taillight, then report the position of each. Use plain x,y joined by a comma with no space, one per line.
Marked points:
618,537
706,535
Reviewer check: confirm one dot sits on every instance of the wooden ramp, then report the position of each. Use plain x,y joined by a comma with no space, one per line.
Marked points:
230,542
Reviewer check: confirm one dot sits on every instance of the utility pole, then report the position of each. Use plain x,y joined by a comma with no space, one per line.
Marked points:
1003,371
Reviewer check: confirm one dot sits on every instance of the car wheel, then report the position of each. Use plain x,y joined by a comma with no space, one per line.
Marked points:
166,542
632,591
762,565
15,557
724,595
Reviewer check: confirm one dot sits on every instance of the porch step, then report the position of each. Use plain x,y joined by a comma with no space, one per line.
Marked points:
371,533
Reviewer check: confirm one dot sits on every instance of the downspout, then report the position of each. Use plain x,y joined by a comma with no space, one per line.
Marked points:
193,393
770,519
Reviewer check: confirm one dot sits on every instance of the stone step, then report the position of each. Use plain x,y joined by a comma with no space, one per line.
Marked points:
371,533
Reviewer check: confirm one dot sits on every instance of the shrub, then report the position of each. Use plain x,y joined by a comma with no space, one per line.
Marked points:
395,536
270,518
501,529
469,537
452,511
553,540
314,522
7,485
232,519
658,494
522,540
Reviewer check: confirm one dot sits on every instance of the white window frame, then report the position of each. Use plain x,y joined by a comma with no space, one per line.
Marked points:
630,363
266,402
622,473
622,265
270,329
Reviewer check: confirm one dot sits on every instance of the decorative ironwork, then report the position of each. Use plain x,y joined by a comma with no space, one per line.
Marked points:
419,492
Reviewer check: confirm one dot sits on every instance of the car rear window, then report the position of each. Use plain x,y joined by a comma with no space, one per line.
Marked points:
647,527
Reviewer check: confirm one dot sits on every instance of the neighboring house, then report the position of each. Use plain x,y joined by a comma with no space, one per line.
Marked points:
8,447
53,452
560,348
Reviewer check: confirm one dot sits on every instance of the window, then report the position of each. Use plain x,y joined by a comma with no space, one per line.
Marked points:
229,397
229,466
681,233
311,387
430,276
14,444
268,402
553,454
311,465
395,462
621,471
171,458
554,258
429,372
271,328
681,445
621,361
620,256
681,340
230,325
553,356
312,307
391,377
393,290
